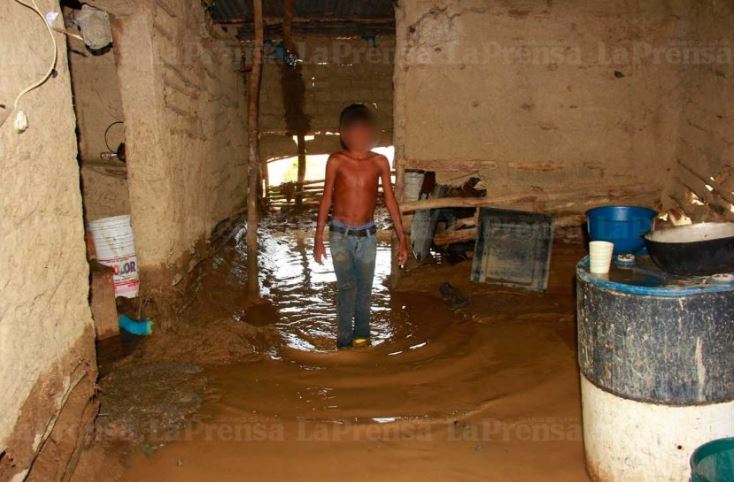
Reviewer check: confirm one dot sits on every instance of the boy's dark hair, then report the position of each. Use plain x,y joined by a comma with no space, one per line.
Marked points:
356,114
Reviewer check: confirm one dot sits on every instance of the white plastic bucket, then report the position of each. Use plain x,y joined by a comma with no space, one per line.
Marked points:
413,185
115,247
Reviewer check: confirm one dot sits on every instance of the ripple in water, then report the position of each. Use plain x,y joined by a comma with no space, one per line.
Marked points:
303,293
424,359
299,291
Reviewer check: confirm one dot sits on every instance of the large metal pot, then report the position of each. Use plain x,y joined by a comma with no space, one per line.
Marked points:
696,249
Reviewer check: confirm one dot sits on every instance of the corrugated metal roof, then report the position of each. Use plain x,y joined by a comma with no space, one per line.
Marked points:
241,10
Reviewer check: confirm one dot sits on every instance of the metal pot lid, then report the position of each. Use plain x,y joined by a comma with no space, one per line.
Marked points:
692,233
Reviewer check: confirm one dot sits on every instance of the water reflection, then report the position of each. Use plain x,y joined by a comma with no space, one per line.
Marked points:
303,292
299,293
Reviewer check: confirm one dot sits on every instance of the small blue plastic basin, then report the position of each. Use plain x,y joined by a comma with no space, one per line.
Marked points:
624,226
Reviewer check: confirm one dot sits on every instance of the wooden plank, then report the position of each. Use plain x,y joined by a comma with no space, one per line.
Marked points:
448,165
456,236
102,301
460,202
542,201
536,166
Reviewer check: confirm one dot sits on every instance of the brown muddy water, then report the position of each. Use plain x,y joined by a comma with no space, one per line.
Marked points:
489,392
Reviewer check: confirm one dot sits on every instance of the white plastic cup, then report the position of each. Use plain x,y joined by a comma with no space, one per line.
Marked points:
601,253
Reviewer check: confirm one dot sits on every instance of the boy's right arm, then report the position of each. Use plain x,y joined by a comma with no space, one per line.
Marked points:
324,209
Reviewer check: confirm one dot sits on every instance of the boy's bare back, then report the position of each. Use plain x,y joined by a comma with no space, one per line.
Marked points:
355,185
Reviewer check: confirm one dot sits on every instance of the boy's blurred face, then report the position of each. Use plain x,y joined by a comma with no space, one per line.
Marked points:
360,136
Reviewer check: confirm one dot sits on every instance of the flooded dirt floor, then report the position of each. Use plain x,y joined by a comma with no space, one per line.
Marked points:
258,392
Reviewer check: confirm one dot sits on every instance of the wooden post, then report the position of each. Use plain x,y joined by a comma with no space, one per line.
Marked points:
286,25
398,188
293,90
301,169
254,89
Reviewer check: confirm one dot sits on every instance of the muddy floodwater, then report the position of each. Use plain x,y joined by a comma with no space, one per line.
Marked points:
488,392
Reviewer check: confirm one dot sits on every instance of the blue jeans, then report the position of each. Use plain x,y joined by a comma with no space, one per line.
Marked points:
354,259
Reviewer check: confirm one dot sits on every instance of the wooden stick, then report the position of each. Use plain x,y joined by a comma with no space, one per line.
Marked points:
457,236
254,88
292,194
714,186
309,182
461,202
465,223
312,189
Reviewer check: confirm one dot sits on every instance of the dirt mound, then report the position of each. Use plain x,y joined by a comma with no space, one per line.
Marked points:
218,342
149,402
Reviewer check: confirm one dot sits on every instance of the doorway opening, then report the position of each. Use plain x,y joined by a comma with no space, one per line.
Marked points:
283,174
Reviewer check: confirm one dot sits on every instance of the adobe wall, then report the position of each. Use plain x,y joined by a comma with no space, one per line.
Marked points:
47,358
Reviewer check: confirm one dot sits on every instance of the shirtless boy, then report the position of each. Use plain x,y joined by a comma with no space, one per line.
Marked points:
351,189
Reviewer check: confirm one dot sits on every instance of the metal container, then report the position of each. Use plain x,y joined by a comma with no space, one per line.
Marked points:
656,373
696,249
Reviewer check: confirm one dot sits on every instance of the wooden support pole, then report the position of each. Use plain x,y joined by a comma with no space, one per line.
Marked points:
286,25
293,89
398,187
254,89
301,168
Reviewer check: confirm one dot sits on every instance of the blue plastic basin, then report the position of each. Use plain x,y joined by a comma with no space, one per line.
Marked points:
624,226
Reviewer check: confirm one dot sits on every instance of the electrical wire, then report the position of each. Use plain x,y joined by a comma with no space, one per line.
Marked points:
50,70
108,130
33,6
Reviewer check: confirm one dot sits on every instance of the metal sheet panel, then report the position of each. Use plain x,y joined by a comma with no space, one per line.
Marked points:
513,248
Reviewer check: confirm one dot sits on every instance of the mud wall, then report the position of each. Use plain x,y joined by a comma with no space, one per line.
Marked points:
574,104
97,101
337,71
104,190
97,105
46,333
702,185
184,112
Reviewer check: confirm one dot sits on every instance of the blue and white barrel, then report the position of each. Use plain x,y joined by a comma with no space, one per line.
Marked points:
656,374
